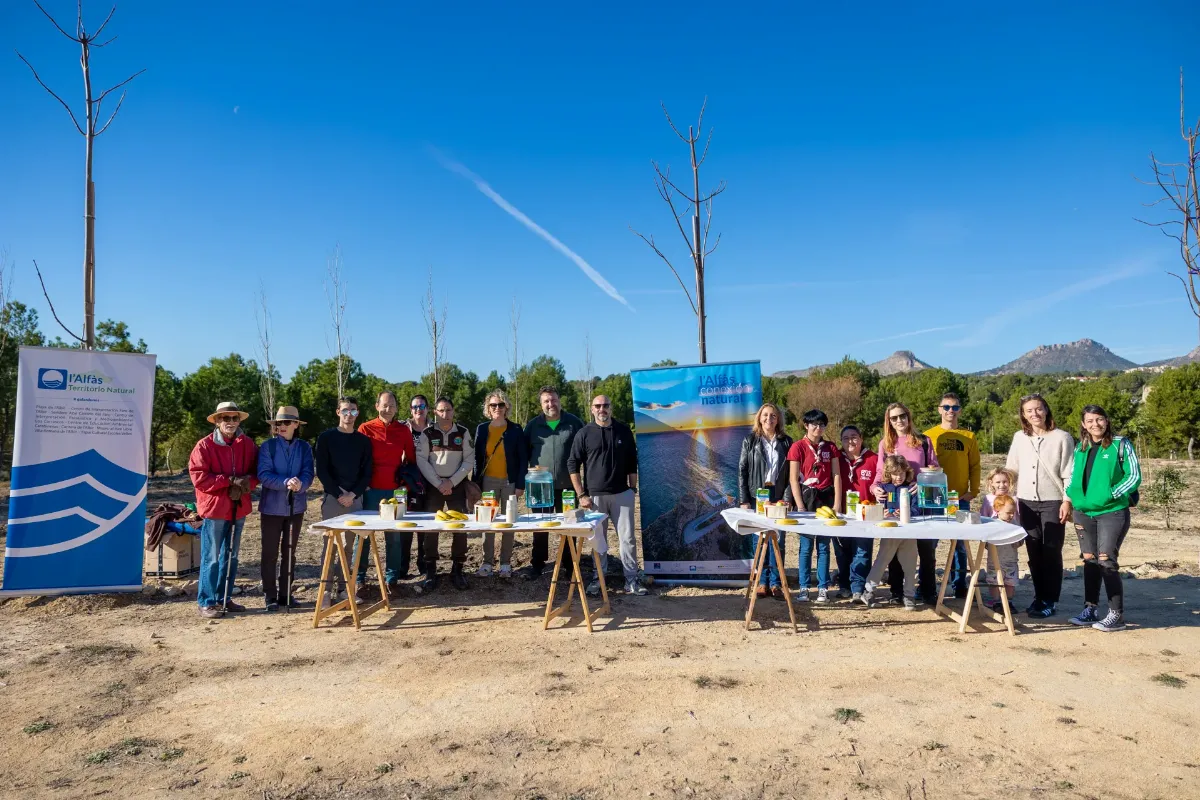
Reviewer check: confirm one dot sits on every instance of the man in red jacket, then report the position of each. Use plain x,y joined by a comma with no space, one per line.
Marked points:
224,470
391,448
854,554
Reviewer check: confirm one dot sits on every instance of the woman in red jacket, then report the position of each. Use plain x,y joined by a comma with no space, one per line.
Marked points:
224,470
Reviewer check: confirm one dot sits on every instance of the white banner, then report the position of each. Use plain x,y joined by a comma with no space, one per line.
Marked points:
77,505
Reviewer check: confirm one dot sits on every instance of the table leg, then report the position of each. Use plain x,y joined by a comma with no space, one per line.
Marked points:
752,585
383,590
941,598
979,565
755,571
972,587
326,571
1008,616
604,609
553,584
350,574
574,545
787,592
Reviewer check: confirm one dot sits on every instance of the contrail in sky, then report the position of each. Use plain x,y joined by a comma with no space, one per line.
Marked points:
911,333
520,217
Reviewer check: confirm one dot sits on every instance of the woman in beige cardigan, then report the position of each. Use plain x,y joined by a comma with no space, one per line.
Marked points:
1042,455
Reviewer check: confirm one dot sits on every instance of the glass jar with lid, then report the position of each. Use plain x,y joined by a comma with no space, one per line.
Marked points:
931,490
539,490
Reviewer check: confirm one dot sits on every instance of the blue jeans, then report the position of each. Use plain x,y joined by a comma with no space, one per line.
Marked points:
215,577
770,571
854,562
959,572
806,548
392,551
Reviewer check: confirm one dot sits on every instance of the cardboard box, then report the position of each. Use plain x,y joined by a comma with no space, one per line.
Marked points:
177,556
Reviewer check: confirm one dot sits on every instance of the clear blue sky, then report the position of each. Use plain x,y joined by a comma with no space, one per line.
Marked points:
890,170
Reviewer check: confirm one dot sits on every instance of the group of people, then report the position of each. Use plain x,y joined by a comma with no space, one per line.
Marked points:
436,460
1048,482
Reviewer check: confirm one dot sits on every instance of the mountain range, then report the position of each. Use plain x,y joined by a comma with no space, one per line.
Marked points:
1085,355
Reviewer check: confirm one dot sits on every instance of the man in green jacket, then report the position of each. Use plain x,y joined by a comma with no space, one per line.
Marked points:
549,437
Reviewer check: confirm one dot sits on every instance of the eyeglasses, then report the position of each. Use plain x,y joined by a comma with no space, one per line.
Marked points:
951,408
349,412
601,405
229,418
421,407
497,405
898,417
283,423
818,424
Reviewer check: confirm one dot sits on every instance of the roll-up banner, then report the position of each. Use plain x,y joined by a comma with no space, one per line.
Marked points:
77,505
690,423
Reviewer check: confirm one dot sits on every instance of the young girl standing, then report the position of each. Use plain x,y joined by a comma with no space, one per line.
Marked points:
895,475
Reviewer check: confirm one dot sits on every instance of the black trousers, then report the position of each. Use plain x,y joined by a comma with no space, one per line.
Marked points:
279,537
1044,536
1102,536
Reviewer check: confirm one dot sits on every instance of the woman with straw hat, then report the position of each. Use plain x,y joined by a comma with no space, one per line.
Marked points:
285,470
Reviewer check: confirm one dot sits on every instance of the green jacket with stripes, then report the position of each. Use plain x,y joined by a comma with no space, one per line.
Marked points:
1114,476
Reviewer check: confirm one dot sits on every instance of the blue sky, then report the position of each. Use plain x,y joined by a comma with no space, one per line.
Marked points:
954,181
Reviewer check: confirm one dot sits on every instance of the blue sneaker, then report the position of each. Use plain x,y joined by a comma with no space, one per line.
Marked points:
1044,610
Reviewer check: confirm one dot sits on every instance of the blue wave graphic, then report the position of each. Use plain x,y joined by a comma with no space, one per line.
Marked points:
38,534
82,495
114,476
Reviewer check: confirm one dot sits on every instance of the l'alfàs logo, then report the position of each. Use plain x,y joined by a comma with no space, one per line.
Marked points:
65,380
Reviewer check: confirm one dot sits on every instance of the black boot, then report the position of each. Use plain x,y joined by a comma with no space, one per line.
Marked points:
457,578
429,584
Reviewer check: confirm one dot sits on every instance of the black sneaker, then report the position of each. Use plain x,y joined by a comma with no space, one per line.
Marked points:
1034,607
272,606
1113,621
1043,611
1089,616
531,573
428,585
960,593
458,580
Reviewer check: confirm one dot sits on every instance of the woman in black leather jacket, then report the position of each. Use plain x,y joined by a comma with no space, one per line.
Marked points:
763,465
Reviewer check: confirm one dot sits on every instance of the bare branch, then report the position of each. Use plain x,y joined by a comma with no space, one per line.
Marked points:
1189,292
266,377
112,89
54,22
42,83
50,303
335,294
104,24
712,249
102,44
671,122
111,116
667,261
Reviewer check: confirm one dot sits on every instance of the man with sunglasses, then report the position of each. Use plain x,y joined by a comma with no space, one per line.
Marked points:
445,456
958,454
343,465
548,438
607,453
285,471
417,424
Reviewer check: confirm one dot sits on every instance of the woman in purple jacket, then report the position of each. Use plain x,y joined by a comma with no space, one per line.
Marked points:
285,470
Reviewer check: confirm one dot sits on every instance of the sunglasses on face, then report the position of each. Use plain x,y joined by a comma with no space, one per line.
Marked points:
285,423
229,418
349,412
418,408
601,405
497,405
951,408
898,417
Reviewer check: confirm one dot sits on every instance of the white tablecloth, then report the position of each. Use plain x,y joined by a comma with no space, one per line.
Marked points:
592,523
992,531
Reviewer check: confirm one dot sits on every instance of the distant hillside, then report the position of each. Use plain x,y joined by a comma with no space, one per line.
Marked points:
899,361
1084,355
1191,358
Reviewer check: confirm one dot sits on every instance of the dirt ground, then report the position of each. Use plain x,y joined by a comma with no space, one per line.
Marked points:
462,695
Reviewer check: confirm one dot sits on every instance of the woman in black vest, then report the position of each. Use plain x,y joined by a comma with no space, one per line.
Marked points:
763,465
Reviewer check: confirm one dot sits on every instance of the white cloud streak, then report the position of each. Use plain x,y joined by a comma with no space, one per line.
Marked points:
1026,304
520,217
921,332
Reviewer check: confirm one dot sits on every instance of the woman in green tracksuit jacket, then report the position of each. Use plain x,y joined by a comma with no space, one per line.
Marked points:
1106,475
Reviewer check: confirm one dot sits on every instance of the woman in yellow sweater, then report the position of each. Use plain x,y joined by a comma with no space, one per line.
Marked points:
501,460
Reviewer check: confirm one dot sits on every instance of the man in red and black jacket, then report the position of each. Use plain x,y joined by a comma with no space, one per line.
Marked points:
224,470
853,554
391,448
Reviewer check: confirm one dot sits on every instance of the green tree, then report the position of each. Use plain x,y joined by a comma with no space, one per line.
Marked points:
1173,409
232,378
314,392
463,389
544,371
114,337
169,417
848,367
18,326
619,390
666,362
1165,491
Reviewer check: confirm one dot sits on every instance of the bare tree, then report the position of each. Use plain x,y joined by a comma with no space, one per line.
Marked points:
1177,181
435,324
6,281
266,375
338,338
93,107
514,363
587,384
697,239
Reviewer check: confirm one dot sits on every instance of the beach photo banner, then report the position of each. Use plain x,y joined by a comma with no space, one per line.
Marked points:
77,504
690,423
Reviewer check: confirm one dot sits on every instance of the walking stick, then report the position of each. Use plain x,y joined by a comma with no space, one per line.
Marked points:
289,555
229,556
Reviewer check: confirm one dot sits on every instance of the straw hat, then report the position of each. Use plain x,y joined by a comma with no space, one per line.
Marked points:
227,408
288,414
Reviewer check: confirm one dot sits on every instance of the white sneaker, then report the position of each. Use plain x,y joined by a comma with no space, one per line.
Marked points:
485,571
822,595
506,570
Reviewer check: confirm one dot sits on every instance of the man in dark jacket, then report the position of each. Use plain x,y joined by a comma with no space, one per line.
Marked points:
549,437
607,453
224,469
343,466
